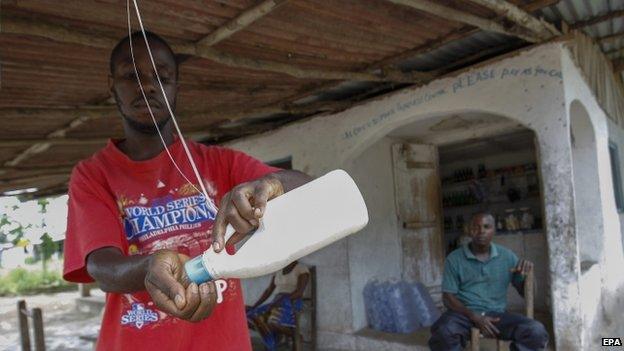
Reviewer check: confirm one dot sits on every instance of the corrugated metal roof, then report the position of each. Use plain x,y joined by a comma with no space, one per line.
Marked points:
330,35
575,11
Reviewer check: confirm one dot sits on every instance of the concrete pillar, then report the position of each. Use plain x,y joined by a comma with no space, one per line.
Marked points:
557,181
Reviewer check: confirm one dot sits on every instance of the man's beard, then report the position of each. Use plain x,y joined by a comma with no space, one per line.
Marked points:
143,128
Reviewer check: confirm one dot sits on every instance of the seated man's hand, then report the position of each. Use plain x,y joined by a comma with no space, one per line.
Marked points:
173,293
243,208
523,267
486,325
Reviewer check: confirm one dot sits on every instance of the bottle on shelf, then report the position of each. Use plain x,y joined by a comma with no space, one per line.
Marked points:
527,221
499,223
511,220
448,223
459,223
481,173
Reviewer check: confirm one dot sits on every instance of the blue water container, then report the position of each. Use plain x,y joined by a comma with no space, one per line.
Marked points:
385,315
402,308
425,309
396,306
370,304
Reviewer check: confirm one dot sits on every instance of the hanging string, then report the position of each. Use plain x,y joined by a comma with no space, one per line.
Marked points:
203,191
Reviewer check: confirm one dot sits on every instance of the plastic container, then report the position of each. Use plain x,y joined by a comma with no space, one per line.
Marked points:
371,305
401,306
396,306
295,224
425,309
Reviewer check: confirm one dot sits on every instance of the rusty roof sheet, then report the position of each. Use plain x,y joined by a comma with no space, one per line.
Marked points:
47,84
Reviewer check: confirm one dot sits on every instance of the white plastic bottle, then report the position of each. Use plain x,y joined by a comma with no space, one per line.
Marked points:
295,224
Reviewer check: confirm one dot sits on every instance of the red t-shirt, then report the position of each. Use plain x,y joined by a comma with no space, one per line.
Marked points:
143,206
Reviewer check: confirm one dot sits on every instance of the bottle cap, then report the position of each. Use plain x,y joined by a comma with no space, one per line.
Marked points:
196,271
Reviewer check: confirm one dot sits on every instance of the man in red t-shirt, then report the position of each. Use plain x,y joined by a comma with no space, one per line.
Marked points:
134,219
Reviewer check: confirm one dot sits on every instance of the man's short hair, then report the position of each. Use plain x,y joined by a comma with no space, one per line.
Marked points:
138,35
484,214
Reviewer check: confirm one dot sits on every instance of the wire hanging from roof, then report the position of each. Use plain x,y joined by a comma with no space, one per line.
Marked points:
212,207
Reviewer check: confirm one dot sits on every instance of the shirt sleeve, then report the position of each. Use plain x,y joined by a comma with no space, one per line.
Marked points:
450,278
244,168
93,222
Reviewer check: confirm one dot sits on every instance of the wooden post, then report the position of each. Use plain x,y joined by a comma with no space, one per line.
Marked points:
529,294
85,289
38,326
23,325
474,339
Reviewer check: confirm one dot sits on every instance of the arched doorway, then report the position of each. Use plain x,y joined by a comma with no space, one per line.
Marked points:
405,245
588,214
587,197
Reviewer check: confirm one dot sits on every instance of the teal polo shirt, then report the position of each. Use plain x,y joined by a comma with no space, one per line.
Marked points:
480,286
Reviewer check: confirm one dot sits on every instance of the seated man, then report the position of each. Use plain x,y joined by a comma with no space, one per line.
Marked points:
474,289
278,316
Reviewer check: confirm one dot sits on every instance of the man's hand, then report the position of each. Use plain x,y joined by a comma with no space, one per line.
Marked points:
523,267
486,325
172,292
243,208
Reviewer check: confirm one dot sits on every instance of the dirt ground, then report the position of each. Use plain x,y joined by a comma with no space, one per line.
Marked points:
66,328
63,324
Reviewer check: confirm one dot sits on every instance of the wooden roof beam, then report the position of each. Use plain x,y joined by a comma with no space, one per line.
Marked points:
17,173
306,73
457,34
240,22
609,39
515,14
202,48
618,65
24,180
429,46
598,19
38,148
615,53
62,34
198,133
449,13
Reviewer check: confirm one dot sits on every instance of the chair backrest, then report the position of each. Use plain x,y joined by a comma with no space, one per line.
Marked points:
309,302
310,290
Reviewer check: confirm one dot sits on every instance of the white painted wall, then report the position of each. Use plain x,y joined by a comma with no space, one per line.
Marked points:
603,310
375,252
616,135
529,88
586,190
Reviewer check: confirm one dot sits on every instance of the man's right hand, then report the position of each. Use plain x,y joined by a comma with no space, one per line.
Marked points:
171,290
486,325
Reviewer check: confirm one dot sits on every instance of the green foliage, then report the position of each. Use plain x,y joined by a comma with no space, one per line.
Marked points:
13,230
30,260
43,202
24,282
48,246
4,220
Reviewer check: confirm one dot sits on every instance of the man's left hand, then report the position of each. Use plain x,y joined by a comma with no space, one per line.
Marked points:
523,267
243,208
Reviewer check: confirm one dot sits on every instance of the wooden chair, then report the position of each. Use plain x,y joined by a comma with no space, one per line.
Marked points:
309,306
475,333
